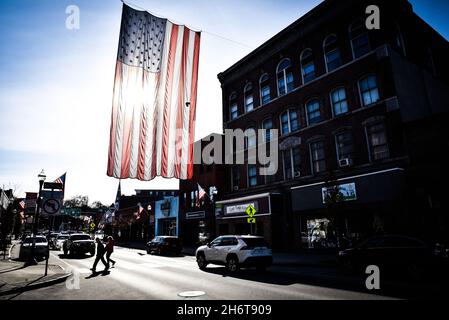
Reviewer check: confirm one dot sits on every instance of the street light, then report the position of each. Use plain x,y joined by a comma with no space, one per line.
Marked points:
41,176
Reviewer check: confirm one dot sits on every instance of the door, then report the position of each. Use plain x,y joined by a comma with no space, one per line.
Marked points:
227,244
212,251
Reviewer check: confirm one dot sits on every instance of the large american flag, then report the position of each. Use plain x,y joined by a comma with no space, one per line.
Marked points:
154,99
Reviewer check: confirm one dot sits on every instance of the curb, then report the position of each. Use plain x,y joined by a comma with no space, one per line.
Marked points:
36,285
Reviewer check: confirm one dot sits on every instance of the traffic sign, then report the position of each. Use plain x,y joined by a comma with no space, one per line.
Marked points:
251,220
251,211
51,206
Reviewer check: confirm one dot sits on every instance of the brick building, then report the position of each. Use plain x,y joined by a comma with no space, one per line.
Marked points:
364,110
197,218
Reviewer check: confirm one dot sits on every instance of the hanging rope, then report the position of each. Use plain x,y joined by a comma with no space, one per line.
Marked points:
192,28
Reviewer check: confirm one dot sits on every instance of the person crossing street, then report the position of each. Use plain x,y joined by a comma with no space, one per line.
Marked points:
109,250
100,256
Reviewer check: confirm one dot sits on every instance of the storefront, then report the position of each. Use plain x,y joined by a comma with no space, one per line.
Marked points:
364,204
231,216
166,216
198,227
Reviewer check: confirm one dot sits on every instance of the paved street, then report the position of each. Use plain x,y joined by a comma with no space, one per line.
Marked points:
141,276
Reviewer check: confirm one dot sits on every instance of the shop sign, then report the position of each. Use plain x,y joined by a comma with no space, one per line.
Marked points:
346,192
239,208
195,215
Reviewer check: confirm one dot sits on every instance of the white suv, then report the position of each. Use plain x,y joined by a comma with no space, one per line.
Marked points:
235,252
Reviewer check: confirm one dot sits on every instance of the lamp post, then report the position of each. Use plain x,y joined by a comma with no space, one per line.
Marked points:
32,260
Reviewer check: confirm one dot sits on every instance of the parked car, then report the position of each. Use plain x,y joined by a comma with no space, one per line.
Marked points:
164,244
391,253
235,251
100,234
79,243
40,247
60,239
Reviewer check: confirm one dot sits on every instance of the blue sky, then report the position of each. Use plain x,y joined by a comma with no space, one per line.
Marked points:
56,84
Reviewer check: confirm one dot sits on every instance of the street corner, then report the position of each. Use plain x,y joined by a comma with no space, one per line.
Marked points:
20,279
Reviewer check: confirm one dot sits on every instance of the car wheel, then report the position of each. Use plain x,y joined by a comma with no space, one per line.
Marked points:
232,264
148,251
201,261
92,253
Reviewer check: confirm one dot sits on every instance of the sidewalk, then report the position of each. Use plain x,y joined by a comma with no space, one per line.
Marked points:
15,278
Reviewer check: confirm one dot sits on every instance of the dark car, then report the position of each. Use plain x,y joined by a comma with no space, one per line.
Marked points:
164,244
391,253
79,243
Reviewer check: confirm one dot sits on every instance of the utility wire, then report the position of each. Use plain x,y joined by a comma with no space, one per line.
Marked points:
193,28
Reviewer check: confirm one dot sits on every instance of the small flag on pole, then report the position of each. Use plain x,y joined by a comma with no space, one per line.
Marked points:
154,98
201,194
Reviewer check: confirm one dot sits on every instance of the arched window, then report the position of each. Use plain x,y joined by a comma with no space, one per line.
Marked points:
249,98
233,107
289,121
331,50
313,111
264,84
359,39
339,101
307,66
285,77
369,92
267,125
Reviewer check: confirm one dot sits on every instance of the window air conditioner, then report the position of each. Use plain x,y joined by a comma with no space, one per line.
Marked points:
345,162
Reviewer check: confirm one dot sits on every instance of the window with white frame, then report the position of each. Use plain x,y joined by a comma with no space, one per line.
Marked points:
377,141
285,77
249,98
313,111
317,157
289,121
252,175
345,146
267,125
359,39
292,163
233,107
264,84
307,66
250,138
368,90
339,101
332,53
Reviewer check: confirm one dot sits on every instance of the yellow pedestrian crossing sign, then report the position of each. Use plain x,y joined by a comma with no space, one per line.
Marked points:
251,211
92,226
251,220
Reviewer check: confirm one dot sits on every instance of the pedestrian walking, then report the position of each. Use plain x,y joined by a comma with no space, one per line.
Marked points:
100,256
109,250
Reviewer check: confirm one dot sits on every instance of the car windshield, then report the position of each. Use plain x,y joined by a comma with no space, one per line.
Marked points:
38,240
80,237
255,242
62,237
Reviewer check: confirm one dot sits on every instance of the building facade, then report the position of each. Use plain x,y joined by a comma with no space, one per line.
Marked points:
359,111
167,217
197,216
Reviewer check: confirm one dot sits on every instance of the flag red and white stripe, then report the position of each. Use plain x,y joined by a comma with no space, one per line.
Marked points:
154,99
